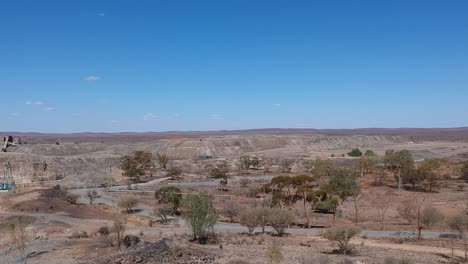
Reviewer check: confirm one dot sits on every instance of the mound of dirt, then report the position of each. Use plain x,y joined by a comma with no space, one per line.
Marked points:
162,252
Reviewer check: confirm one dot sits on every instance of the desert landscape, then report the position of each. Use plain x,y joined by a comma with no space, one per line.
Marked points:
234,132
268,196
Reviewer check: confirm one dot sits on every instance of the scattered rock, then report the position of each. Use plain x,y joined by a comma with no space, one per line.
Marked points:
130,240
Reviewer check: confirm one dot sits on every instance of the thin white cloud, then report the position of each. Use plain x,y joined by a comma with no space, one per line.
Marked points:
149,116
277,105
92,78
115,121
34,103
175,116
216,117
48,109
15,114
101,14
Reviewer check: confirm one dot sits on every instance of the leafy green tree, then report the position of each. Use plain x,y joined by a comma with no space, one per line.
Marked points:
367,163
355,153
400,163
198,211
326,202
136,165
425,175
169,195
343,184
289,190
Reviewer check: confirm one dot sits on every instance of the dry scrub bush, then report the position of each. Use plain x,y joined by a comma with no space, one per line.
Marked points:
163,210
274,254
263,214
244,182
459,223
407,210
280,219
19,237
72,198
231,211
92,194
431,216
340,236
79,234
128,203
118,229
381,203
104,230
249,218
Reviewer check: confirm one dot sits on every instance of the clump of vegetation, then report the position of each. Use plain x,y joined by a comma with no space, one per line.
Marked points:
136,165
92,194
286,165
274,254
400,163
173,172
231,210
340,236
431,216
128,203
170,195
219,171
198,211
355,153
19,237
163,159
246,162
114,236
280,219
250,219
244,182
72,198
320,168
464,171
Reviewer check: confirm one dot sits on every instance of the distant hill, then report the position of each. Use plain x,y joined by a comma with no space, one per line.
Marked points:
459,133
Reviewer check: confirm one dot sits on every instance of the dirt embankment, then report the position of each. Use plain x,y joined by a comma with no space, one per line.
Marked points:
79,161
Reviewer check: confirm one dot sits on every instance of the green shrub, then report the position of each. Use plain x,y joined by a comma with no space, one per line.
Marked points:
355,153
198,211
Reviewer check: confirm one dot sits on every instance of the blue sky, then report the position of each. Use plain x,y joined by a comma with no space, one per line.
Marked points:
109,66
